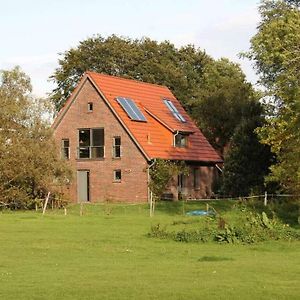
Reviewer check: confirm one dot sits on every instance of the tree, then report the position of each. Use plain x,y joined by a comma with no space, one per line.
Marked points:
248,161
275,51
223,102
146,60
161,173
29,162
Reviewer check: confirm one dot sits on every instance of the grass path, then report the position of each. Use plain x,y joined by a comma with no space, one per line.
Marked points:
105,254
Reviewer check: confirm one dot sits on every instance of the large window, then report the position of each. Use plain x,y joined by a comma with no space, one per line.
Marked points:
117,147
180,140
91,143
65,148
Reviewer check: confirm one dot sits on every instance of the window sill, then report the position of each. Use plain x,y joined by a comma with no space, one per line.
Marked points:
116,158
197,189
90,159
117,181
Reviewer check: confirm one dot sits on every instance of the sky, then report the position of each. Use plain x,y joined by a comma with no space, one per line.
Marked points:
34,32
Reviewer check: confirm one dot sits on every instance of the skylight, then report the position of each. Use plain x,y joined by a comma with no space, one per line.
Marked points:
131,109
174,111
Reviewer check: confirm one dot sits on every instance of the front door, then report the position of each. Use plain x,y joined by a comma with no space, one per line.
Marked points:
83,182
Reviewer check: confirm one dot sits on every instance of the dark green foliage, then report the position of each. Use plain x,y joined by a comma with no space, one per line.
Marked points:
225,99
248,161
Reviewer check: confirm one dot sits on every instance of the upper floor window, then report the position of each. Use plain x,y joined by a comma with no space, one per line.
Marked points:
90,107
180,140
117,146
65,148
91,143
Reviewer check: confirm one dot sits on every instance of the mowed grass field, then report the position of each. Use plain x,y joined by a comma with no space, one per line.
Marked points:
106,254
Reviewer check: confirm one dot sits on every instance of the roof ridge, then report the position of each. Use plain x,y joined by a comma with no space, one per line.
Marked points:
127,79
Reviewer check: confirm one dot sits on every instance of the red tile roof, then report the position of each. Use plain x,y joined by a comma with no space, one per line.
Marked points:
155,136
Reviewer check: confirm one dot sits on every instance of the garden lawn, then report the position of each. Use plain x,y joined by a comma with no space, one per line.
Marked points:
106,254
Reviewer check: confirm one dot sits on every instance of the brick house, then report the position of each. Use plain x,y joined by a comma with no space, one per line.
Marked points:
112,129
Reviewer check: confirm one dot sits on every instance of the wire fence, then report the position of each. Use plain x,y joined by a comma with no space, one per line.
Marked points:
266,197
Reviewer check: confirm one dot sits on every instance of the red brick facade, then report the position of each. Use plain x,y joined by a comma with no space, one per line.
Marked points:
133,165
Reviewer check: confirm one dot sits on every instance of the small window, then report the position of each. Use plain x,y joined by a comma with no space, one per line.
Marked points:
90,107
196,178
117,147
117,175
180,140
65,148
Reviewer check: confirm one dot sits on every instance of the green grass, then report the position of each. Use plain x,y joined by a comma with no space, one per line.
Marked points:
106,254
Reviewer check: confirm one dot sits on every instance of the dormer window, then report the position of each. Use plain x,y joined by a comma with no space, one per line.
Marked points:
180,140
90,107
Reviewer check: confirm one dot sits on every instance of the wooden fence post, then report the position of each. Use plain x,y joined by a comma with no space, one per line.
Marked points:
46,203
266,198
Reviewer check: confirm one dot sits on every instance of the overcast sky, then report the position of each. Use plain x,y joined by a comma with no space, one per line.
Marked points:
33,32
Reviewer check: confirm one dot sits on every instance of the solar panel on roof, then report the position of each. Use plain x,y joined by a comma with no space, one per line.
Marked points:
131,109
174,111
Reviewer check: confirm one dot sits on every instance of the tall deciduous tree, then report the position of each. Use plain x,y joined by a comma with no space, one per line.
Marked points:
248,161
275,50
145,60
224,99
29,162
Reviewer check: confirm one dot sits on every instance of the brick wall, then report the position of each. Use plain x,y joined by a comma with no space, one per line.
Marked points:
203,190
133,186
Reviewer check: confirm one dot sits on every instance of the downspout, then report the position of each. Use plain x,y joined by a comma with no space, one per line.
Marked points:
177,132
220,169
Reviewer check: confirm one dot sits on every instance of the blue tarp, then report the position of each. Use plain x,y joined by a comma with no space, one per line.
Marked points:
200,213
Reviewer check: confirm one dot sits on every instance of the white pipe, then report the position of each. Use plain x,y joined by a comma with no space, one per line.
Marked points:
220,169
177,132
